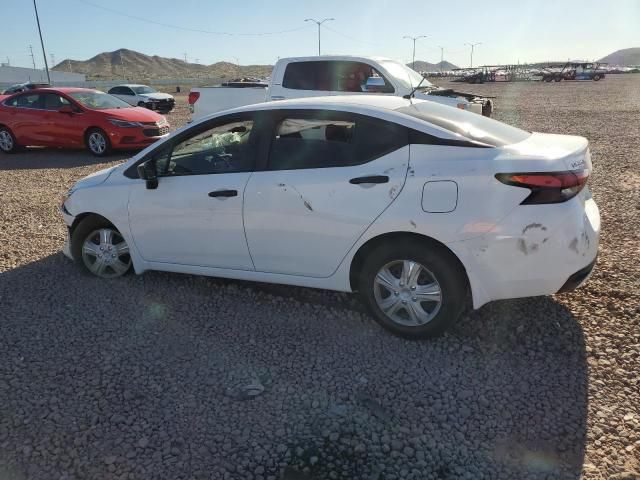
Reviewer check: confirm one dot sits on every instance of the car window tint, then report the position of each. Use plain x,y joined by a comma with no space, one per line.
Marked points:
220,149
336,76
29,101
54,102
312,143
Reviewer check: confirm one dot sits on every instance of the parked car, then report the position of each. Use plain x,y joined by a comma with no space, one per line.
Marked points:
76,118
333,75
144,96
414,204
21,87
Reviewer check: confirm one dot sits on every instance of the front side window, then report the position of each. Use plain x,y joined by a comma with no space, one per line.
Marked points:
220,149
53,101
96,100
334,76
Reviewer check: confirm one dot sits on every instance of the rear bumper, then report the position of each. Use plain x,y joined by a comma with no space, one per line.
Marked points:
578,279
535,250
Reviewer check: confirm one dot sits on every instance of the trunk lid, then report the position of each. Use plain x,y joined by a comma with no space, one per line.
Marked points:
561,152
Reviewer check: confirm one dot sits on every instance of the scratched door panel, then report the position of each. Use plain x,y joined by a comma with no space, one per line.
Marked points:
303,222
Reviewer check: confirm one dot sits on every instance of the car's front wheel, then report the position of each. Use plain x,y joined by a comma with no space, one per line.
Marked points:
99,248
415,290
8,143
97,142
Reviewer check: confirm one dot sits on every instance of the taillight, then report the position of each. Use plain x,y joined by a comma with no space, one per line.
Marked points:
193,97
547,187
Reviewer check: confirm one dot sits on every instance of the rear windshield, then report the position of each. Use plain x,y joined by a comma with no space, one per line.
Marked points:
470,125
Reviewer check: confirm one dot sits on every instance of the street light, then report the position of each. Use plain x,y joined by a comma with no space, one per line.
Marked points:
413,61
441,56
473,45
318,23
35,7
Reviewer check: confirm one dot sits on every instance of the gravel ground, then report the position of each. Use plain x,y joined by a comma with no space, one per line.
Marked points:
174,376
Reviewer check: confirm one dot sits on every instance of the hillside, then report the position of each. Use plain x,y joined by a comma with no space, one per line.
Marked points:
626,56
422,66
132,65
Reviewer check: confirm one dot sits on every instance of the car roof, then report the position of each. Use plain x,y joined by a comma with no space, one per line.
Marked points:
129,85
335,58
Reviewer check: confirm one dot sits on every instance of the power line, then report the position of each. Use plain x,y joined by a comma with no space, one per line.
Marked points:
189,29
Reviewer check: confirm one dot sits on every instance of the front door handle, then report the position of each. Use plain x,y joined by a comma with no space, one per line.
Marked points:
370,179
224,193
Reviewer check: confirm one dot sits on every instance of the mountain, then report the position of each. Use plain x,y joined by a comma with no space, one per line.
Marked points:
422,66
626,56
134,65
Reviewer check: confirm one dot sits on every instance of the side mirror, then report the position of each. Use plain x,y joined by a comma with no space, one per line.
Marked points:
66,109
147,171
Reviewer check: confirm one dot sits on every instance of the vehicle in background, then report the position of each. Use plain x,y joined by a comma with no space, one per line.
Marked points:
574,71
333,75
21,87
415,205
76,118
144,96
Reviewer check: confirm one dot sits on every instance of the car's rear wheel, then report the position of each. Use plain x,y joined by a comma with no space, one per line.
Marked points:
415,290
596,78
8,143
99,248
97,142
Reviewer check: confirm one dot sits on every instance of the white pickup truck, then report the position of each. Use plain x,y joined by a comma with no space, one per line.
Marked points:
331,75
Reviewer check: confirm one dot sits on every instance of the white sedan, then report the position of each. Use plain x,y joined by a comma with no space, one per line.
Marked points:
416,205
144,96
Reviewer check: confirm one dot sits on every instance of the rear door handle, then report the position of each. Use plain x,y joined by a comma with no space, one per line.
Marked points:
224,193
370,179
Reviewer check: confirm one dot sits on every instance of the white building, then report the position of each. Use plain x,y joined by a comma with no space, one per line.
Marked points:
11,75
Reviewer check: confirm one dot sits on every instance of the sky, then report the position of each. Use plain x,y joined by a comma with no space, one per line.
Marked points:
509,31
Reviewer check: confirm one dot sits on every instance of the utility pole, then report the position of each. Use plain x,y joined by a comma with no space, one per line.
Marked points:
238,66
413,61
53,60
33,60
473,45
44,54
185,57
69,65
441,57
319,23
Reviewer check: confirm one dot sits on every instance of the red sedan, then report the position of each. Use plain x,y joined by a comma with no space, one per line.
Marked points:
76,118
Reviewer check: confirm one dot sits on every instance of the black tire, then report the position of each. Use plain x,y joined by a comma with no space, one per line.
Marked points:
142,104
596,78
558,78
439,264
84,230
98,152
8,142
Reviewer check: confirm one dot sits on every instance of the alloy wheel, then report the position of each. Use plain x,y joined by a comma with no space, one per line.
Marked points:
407,293
6,141
97,143
106,254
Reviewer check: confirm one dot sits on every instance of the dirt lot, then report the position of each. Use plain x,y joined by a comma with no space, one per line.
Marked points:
146,377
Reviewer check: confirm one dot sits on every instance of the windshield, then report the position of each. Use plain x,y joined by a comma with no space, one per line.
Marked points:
142,90
470,125
405,76
96,100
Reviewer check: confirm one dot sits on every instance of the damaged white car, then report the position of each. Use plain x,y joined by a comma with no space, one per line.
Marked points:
415,205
